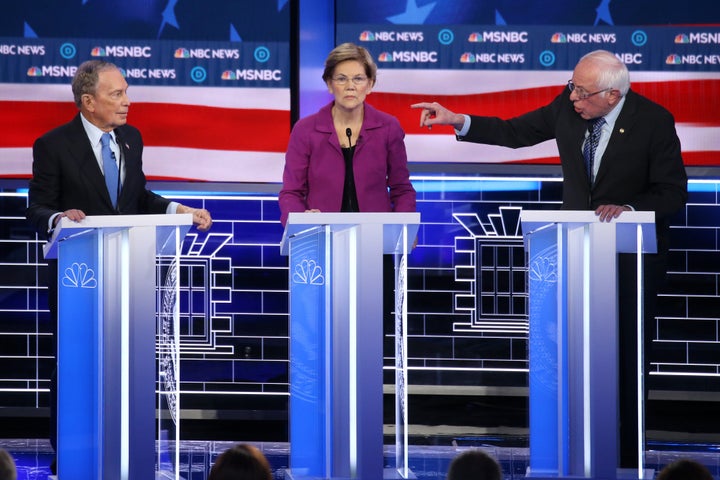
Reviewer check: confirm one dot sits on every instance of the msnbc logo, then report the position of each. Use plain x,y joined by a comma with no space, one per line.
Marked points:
385,57
228,75
34,72
673,59
182,53
467,57
475,37
367,36
558,38
98,52
698,37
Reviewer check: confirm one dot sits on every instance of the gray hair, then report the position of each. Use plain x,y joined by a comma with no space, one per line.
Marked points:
86,78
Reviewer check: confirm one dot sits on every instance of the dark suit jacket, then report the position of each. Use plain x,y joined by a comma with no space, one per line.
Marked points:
66,175
642,165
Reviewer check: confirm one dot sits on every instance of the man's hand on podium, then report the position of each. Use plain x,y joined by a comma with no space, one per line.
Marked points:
201,217
608,212
73,214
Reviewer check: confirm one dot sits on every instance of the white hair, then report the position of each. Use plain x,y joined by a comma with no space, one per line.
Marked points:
612,72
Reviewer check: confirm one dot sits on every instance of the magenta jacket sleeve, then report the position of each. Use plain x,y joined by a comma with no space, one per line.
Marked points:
314,172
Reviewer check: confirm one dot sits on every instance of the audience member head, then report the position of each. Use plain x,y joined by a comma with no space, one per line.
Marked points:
685,469
7,466
241,462
474,465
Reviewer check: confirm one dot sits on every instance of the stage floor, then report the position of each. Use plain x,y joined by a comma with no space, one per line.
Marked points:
33,456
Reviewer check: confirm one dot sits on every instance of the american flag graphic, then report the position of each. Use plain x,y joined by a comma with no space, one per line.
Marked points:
193,134
240,134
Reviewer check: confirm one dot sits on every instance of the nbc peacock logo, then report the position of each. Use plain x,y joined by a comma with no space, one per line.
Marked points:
385,57
673,59
98,52
475,37
558,38
467,57
367,36
682,38
228,75
182,53
34,72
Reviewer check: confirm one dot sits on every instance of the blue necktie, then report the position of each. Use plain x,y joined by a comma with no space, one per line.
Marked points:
591,142
110,168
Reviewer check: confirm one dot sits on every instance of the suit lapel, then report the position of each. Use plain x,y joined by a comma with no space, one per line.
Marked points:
620,134
577,130
87,164
131,162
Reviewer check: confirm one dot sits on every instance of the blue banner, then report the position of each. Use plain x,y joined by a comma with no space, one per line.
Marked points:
149,62
556,47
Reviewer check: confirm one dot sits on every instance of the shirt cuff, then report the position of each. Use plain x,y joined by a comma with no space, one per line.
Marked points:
51,221
466,126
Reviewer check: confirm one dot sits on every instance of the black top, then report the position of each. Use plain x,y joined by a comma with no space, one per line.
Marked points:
349,200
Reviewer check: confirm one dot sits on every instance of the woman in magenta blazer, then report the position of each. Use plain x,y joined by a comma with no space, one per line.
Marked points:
349,156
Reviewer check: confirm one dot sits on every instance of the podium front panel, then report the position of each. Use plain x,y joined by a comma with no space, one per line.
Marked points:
310,365
547,353
80,399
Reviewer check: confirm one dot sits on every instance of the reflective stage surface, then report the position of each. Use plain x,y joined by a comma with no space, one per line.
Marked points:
33,456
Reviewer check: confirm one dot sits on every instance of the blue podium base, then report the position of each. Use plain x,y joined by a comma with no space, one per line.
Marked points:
161,475
632,473
167,475
388,474
621,474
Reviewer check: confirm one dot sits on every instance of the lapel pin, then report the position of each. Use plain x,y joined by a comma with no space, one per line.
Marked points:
622,130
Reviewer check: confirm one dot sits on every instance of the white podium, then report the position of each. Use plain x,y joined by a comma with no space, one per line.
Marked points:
106,344
573,347
336,354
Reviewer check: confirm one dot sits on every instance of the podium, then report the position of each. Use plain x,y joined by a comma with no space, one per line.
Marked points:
573,347
106,343
336,340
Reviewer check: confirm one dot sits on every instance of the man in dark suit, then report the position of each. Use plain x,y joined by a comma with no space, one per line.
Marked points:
636,165
68,172
68,178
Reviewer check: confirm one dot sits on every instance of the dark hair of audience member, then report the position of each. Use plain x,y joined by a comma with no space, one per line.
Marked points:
474,465
685,469
241,462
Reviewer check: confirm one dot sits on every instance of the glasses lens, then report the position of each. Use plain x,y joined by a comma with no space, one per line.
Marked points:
581,94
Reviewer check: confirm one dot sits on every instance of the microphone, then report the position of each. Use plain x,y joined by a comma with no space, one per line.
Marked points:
348,132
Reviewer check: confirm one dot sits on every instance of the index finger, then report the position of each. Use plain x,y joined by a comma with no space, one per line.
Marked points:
426,105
